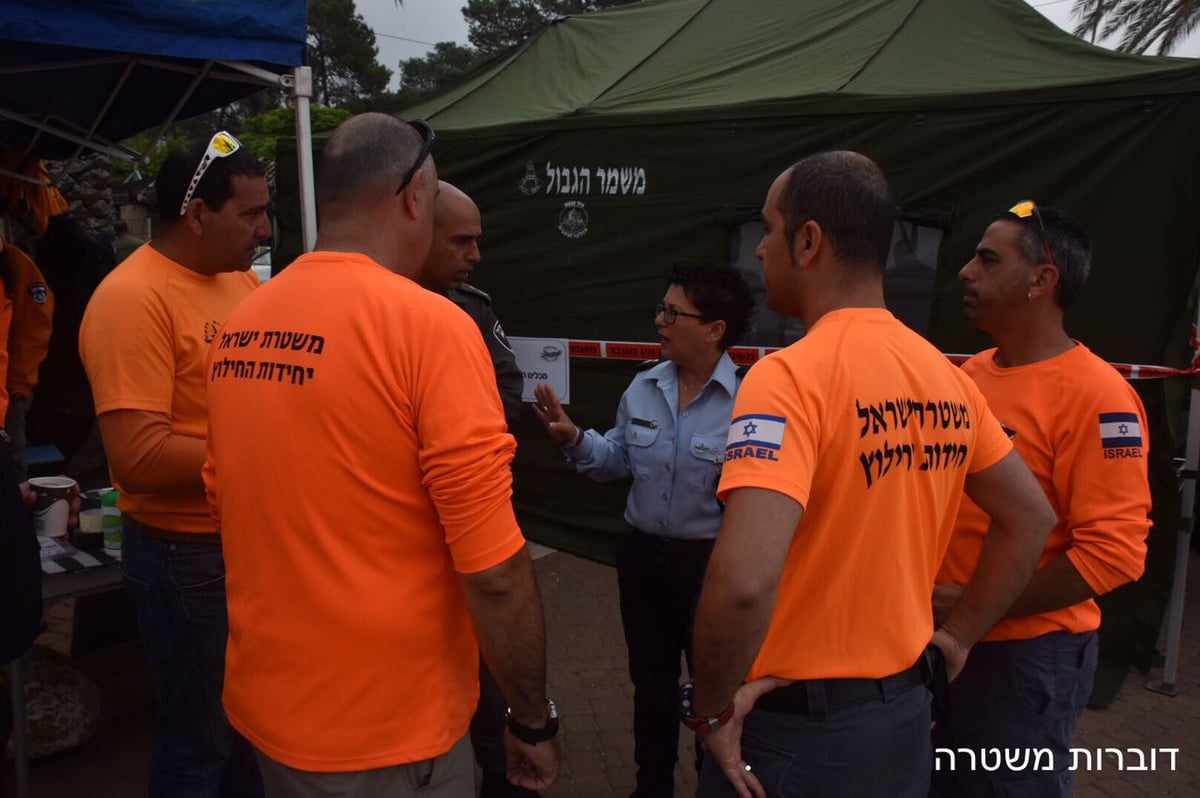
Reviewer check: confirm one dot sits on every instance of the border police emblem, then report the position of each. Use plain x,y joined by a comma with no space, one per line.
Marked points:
573,220
529,184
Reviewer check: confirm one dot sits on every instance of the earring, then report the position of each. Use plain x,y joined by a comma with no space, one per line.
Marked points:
1029,296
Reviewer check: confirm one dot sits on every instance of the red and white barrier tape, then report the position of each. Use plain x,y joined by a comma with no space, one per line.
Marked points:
635,350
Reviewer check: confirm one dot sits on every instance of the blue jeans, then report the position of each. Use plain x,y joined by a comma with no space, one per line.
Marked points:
1019,696
179,590
867,750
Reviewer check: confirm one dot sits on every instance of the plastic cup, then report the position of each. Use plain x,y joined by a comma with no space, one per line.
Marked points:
91,522
111,524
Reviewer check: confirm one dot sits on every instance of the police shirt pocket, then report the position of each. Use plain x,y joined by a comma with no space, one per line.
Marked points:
710,450
638,435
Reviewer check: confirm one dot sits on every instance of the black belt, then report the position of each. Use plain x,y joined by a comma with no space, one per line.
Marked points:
171,536
668,542
817,697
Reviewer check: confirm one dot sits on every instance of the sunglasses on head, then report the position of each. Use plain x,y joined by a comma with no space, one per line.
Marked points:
427,138
1023,210
221,145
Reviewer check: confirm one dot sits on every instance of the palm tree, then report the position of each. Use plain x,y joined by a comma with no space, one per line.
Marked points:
1141,23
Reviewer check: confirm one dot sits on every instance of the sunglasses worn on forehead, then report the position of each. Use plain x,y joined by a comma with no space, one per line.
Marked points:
1023,210
221,145
427,138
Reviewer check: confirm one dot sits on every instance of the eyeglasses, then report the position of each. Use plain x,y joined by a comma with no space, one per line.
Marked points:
427,139
671,314
1023,210
221,145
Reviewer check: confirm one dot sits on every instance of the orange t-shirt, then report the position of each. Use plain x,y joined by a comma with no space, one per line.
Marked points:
143,341
1082,431
359,462
32,322
873,431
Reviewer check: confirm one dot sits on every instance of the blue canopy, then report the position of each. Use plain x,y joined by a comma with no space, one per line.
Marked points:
77,73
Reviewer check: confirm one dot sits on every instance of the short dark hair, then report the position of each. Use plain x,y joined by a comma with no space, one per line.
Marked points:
1069,244
367,154
847,194
720,294
215,187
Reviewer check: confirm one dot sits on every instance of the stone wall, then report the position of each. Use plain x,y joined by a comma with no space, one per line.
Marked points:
86,186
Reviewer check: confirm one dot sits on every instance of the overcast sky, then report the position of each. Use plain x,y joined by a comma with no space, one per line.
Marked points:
413,29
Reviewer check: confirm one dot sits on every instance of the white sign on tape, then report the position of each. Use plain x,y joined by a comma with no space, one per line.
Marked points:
544,360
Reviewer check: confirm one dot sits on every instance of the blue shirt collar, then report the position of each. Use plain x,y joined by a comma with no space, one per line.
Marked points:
725,374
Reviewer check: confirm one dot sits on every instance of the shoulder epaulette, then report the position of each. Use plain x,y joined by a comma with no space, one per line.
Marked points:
467,288
648,364
742,369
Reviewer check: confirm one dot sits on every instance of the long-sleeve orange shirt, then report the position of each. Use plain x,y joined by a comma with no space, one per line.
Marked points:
359,463
1082,431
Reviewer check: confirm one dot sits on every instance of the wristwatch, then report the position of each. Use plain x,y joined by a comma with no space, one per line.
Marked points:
531,736
700,725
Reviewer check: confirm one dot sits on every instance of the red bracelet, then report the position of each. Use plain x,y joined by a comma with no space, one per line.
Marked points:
699,724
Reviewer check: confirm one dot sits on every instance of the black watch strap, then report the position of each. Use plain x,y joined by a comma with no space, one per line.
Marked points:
530,735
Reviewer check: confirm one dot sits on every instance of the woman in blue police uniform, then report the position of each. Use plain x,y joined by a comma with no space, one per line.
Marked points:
670,437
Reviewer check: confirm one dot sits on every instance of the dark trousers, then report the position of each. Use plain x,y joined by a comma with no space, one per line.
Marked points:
659,580
1016,696
871,749
20,580
450,775
14,424
179,591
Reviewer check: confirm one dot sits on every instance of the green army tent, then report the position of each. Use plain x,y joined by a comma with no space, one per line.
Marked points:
609,144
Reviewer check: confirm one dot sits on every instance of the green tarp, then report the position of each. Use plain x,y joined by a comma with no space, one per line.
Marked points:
610,144
776,56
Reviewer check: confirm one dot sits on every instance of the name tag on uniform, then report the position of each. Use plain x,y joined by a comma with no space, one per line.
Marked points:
641,422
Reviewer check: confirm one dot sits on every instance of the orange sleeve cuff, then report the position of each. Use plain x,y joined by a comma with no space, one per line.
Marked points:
1106,564
489,542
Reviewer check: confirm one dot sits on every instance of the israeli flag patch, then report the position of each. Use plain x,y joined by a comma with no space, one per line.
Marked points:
760,432
1120,430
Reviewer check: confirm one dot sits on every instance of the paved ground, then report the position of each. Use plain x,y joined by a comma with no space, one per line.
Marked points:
588,677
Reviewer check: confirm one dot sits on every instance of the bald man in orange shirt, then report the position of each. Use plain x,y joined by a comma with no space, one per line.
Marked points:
366,509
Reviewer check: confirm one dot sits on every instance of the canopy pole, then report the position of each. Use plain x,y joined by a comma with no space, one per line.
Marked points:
1183,548
299,82
26,178
112,96
199,78
113,151
1166,685
302,92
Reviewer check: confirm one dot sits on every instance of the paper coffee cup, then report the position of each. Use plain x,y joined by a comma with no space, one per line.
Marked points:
53,506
